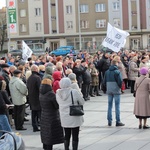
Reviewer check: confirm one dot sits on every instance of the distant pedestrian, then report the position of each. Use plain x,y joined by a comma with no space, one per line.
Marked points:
142,101
113,82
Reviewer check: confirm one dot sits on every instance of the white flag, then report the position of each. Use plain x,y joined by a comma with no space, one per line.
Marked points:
27,52
115,38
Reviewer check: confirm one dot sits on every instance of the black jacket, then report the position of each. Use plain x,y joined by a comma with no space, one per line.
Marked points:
86,77
51,130
33,85
2,105
79,71
103,64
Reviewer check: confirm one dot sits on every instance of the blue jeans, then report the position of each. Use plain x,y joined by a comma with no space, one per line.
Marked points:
117,107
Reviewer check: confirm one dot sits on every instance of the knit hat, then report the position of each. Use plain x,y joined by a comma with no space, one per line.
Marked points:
143,71
72,77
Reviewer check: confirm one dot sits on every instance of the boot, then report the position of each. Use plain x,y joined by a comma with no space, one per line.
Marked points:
66,143
75,145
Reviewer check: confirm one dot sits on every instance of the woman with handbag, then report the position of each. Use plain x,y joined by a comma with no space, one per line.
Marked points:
142,102
71,124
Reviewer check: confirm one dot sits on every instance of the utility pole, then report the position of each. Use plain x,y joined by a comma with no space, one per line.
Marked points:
80,42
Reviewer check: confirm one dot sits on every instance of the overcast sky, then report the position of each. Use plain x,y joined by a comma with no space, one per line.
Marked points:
2,3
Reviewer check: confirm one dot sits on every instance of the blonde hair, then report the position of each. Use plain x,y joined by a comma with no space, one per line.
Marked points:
59,66
42,67
3,85
117,58
46,81
28,74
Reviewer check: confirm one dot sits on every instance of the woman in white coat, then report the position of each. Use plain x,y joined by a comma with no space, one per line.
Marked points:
71,124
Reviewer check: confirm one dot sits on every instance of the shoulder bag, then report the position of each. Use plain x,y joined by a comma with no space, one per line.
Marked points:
76,110
134,94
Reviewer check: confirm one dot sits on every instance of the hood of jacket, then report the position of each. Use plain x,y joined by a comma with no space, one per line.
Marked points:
44,88
113,67
49,70
64,93
57,75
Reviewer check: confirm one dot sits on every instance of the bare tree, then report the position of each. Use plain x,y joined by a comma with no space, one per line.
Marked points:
3,30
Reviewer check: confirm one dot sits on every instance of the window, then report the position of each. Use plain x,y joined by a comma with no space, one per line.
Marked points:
53,17
149,20
116,6
37,11
69,25
22,13
148,3
84,8
100,7
100,23
69,9
54,31
22,0
23,27
53,4
38,27
84,24
117,22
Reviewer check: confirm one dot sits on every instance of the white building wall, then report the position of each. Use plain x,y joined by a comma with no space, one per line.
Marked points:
114,14
35,19
70,17
148,14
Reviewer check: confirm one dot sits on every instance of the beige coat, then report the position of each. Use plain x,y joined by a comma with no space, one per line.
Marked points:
122,70
142,102
133,70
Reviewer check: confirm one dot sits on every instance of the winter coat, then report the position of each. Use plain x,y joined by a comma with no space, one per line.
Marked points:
142,101
86,77
51,130
133,71
63,97
33,84
56,79
104,64
94,77
113,80
122,70
5,74
2,105
18,91
79,71
74,85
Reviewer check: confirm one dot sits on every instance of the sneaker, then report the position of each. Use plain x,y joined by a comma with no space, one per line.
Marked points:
119,124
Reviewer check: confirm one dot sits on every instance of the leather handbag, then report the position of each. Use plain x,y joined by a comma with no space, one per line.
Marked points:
76,110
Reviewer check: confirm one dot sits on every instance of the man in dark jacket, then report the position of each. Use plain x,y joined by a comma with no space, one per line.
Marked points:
103,65
113,82
5,74
86,76
33,85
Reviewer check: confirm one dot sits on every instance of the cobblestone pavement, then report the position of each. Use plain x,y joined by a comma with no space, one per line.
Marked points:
95,133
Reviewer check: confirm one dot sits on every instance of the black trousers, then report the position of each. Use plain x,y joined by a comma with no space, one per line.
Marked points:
19,112
132,85
85,90
36,117
72,131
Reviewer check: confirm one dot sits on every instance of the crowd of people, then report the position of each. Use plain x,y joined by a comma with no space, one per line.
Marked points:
46,82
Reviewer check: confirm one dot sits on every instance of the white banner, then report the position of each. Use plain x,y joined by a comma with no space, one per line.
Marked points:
27,52
115,38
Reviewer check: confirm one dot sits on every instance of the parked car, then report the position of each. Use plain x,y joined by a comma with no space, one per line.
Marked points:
16,52
63,50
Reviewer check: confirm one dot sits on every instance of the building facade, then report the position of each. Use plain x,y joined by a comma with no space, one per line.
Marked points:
80,23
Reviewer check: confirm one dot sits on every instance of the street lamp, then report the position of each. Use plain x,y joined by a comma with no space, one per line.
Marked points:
80,45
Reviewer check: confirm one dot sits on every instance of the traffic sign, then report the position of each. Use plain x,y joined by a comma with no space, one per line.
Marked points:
12,16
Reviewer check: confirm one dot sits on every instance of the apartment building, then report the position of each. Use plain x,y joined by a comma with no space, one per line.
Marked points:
81,23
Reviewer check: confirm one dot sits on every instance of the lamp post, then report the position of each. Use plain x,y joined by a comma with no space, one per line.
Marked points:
80,44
